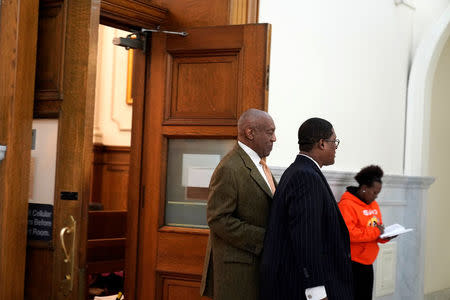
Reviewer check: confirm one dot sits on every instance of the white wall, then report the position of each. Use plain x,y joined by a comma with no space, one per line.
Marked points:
346,61
349,61
437,259
43,162
427,11
112,119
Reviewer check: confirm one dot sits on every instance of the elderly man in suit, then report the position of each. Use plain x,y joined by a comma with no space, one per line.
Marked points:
307,248
240,195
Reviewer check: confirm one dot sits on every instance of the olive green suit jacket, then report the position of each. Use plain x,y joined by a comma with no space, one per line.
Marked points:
238,207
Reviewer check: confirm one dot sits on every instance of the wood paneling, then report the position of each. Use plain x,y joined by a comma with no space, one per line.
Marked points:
107,224
180,288
198,13
110,176
224,76
215,102
132,14
195,13
50,53
182,250
38,275
200,131
98,249
106,241
46,109
18,38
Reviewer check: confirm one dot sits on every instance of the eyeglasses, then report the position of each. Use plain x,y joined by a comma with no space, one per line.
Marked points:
336,142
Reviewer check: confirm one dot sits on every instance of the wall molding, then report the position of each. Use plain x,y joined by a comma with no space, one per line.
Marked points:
341,178
439,295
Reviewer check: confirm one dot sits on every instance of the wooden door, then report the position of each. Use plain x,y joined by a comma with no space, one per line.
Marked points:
65,85
74,149
18,35
196,88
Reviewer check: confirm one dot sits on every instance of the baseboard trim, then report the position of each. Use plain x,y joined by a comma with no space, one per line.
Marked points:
439,295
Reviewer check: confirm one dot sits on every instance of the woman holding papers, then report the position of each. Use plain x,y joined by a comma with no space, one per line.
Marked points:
363,219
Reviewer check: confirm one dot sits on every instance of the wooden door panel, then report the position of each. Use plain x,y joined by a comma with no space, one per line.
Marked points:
110,176
180,289
216,98
199,85
181,249
49,69
211,72
50,59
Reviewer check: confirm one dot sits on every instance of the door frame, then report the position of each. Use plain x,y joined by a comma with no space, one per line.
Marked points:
115,14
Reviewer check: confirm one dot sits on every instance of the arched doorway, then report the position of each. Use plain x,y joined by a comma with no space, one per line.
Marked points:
427,143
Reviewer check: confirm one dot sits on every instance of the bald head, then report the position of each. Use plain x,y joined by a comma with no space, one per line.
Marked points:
257,130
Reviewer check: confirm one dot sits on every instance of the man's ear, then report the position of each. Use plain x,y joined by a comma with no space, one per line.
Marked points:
321,144
249,133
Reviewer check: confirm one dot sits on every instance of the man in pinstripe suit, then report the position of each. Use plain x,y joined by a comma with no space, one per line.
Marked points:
306,253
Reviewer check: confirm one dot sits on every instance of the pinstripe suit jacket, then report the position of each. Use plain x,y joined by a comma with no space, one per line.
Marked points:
237,211
307,242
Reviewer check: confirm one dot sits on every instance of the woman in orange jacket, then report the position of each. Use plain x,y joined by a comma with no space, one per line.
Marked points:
363,218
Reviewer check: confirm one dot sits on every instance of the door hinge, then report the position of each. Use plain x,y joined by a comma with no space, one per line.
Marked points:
135,40
139,39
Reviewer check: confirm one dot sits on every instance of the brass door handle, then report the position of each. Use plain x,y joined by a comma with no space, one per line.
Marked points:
63,231
67,282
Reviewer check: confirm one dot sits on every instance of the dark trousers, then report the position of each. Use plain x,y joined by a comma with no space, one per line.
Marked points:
362,281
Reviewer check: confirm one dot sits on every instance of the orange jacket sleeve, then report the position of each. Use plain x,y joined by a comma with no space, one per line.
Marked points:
382,241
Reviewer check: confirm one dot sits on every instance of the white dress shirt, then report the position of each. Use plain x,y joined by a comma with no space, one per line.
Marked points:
255,159
318,292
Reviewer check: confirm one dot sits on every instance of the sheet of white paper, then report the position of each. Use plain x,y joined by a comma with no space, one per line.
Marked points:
393,230
199,177
198,161
112,297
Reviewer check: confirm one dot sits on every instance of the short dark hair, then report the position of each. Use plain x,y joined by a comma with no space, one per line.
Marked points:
369,175
312,131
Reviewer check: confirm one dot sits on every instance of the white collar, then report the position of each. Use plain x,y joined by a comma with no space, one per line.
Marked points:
310,159
250,152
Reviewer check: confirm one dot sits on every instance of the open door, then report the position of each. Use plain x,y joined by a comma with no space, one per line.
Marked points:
196,88
65,90
18,35
66,32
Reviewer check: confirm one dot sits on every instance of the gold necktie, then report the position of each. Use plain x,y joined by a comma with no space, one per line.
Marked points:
268,174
